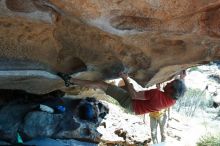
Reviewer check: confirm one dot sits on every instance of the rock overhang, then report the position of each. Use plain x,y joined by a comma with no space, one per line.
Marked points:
151,40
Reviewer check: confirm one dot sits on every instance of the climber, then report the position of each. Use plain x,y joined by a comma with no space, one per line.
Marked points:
140,102
159,118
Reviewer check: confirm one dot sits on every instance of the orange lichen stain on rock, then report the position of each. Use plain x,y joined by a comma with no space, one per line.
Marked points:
210,23
166,46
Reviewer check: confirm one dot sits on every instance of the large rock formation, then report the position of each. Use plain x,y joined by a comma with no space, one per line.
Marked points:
150,39
22,113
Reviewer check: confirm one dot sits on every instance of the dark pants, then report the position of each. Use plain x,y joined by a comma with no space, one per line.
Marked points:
121,95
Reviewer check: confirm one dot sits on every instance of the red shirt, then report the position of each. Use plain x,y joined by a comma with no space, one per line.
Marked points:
157,100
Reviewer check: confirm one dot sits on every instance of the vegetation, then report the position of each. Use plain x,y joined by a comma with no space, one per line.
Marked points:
194,69
192,100
215,77
209,140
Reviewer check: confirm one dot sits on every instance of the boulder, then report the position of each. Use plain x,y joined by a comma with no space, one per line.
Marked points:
22,116
95,40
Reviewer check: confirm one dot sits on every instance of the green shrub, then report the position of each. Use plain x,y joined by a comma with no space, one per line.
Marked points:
209,140
194,69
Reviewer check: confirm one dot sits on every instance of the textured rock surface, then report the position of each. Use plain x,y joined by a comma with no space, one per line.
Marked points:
21,114
94,39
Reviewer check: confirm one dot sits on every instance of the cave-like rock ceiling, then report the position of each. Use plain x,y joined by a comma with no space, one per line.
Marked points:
96,39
